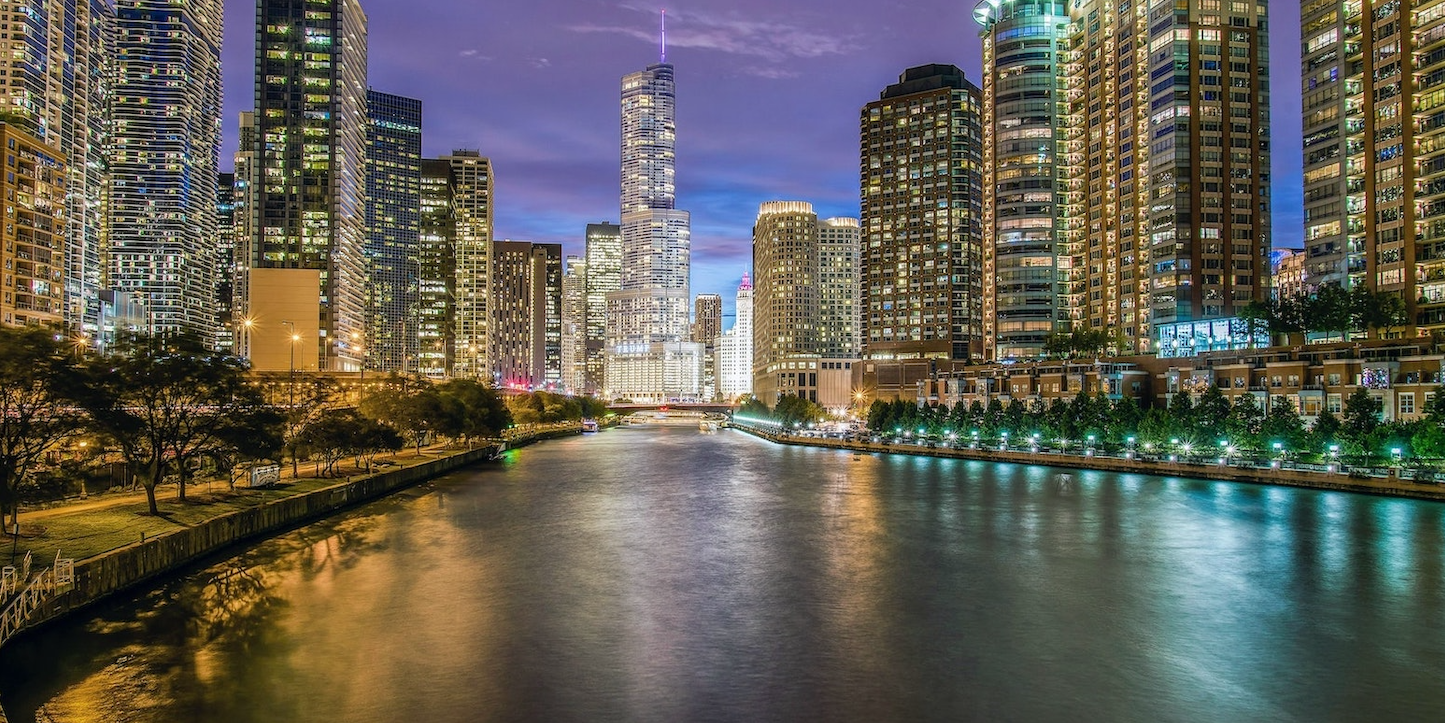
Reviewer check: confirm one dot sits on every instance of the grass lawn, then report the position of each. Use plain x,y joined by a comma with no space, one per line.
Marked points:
89,532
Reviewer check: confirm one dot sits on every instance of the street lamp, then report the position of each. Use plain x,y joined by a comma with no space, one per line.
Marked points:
291,366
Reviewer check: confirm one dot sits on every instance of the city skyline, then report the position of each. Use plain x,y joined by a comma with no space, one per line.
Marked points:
768,104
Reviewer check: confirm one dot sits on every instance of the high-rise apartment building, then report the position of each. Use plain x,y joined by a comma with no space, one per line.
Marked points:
165,156
32,264
649,356
1129,153
734,357
922,257
604,275
1373,117
393,219
56,75
1030,289
472,213
526,347
310,155
801,323
436,270
839,246
574,325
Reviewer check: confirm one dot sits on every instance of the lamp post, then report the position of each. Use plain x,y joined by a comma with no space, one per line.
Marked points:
291,367
246,325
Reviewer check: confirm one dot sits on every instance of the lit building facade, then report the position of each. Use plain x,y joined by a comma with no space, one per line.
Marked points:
1031,286
922,236
310,156
649,355
706,329
1290,275
57,75
472,212
393,220
1158,243
734,357
604,275
223,274
1373,123
162,236
32,263
436,272
574,325
526,344
839,246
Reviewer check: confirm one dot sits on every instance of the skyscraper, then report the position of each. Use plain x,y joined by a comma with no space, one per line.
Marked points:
735,348
574,325
311,141
56,68
393,218
1160,243
839,246
604,275
649,356
471,184
166,125
1030,286
1373,194
223,273
526,348
436,272
785,311
922,268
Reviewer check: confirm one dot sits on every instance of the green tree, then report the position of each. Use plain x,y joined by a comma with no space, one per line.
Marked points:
793,410
1324,434
1283,425
1256,316
1212,415
1246,422
477,411
337,433
754,408
36,415
1359,422
166,400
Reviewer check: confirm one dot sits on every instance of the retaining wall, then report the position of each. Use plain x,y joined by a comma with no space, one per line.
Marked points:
111,572
1286,477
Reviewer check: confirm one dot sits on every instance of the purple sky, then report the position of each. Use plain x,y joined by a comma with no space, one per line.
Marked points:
768,100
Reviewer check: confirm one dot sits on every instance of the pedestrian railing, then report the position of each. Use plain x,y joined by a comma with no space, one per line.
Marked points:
47,584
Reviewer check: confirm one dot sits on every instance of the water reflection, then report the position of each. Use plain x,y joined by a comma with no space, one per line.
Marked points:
660,575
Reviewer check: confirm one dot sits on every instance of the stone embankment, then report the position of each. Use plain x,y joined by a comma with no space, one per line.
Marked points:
1389,486
105,574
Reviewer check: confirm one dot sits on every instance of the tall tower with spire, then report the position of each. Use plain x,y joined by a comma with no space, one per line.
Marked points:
649,354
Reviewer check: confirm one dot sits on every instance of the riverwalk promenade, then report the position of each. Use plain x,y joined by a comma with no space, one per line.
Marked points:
1383,482
69,556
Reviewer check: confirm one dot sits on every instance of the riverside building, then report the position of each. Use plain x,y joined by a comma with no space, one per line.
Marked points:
162,235
650,356
310,156
1160,241
921,271
393,220
1374,161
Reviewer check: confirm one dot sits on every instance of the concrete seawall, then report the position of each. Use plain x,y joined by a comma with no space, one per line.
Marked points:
106,574
1284,477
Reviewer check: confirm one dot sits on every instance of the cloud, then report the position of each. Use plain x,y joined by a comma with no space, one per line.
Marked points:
475,54
772,40
540,62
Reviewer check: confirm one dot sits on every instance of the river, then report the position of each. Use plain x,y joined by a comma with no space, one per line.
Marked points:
664,574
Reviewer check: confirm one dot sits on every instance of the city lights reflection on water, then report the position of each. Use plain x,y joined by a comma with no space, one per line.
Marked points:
662,574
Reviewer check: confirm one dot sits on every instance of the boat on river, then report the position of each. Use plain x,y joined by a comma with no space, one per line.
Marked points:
589,426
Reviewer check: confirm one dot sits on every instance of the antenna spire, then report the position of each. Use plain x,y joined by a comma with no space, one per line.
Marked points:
664,35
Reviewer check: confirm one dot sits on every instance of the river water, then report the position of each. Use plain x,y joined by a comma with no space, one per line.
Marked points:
664,574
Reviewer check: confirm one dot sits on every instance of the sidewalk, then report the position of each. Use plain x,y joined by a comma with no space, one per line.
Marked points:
86,527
